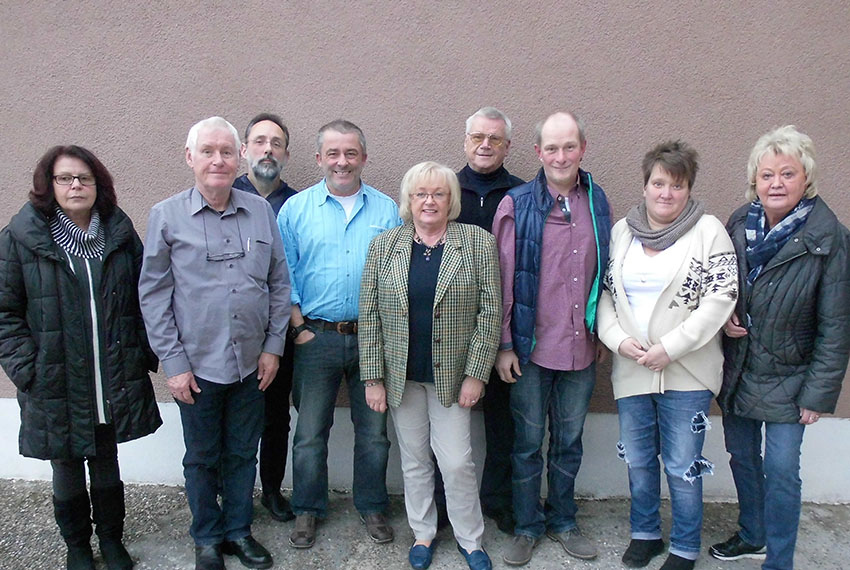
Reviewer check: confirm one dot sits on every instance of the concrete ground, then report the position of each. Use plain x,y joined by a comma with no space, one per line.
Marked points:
158,521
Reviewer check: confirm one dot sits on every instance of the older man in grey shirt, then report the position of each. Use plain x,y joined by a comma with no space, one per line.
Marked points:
215,297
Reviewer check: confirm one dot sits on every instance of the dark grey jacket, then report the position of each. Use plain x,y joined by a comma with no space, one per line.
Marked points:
795,353
41,345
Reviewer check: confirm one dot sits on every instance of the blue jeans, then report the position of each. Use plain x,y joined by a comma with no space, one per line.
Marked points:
563,396
221,431
769,488
672,424
320,365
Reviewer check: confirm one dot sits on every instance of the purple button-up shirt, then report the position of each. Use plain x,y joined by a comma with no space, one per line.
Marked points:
567,267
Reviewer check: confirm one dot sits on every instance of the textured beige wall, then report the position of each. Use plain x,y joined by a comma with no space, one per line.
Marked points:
128,79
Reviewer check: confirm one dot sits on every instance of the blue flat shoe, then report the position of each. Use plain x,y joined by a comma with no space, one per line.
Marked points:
477,559
420,555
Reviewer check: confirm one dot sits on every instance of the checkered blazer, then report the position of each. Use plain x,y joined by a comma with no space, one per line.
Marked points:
467,310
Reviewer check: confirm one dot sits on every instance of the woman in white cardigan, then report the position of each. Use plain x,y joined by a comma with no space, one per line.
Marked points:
671,284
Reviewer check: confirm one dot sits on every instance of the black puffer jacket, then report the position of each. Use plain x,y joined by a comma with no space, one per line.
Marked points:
795,353
41,349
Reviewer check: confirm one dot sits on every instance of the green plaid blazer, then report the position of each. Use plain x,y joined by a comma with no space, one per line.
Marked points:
467,310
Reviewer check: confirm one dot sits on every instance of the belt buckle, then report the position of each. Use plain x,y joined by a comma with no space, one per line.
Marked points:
346,327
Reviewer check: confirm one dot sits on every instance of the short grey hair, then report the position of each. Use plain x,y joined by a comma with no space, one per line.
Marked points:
424,171
343,127
582,128
789,141
211,124
491,113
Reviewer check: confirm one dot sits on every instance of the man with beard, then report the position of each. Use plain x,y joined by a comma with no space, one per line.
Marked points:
266,150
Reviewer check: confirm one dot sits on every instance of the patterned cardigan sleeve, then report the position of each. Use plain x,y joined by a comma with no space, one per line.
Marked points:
715,296
369,333
485,338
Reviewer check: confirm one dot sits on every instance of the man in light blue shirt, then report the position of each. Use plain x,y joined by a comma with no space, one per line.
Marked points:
326,232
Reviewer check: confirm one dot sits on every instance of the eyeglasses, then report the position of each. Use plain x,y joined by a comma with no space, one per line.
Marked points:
227,255
68,179
437,196
564,204
479,138
276,143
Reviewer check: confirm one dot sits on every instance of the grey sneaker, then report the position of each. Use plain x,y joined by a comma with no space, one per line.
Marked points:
575,543
519,551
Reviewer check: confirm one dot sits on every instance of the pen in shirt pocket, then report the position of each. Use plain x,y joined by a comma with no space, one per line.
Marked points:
249,245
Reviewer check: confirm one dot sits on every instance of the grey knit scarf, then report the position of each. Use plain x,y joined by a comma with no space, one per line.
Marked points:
665,237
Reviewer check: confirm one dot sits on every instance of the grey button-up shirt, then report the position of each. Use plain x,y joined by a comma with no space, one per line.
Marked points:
214,287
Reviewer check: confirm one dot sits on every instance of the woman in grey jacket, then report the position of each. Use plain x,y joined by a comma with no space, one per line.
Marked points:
786,345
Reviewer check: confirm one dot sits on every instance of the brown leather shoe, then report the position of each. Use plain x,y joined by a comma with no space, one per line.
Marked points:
377,527
304,533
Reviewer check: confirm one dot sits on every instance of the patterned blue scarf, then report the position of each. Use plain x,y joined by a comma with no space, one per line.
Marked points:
760,247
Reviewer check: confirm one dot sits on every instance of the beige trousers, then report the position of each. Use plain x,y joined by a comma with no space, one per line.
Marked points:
423,425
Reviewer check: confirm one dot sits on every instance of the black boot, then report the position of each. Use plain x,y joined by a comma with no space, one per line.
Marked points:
74,522
108,510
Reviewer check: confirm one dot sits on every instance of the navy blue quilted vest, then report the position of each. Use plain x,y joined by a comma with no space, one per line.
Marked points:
532,203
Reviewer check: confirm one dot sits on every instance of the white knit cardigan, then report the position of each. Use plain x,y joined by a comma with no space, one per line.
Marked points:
693,306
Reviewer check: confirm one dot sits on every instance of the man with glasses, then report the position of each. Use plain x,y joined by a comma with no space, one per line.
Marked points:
326,231
214,291
552,234
484,181
266,150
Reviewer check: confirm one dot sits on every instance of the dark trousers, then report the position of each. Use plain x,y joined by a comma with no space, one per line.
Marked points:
496,488
221,431
274,444
69,475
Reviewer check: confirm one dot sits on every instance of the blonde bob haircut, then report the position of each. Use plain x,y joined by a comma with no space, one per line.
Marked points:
423,173
789,141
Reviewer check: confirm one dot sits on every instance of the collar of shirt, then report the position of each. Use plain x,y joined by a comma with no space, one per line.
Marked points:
197,202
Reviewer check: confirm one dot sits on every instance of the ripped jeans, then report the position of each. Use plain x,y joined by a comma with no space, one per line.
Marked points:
673,423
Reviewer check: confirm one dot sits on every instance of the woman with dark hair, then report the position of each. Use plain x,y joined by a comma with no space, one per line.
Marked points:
786,345
670,286
73,342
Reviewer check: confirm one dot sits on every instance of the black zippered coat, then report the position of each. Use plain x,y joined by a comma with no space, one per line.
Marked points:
795,353
41,345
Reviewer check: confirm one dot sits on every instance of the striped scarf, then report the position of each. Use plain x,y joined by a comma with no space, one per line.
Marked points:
760,247
79,243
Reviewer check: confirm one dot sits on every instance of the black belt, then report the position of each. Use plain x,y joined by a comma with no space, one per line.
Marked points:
344,327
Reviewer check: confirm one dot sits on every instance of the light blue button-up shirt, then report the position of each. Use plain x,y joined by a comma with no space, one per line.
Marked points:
325,253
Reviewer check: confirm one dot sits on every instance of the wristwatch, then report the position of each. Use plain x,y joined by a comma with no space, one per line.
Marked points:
293,332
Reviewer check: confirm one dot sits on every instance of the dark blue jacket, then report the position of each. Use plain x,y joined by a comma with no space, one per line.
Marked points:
275,199
532,204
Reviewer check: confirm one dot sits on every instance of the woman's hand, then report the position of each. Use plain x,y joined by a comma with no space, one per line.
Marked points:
507,364
733,327
631,348
808,417
470,392
656,358
376,397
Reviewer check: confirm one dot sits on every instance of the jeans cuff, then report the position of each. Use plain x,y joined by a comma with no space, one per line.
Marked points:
317,514
646,535
685,553
237,535
561,528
